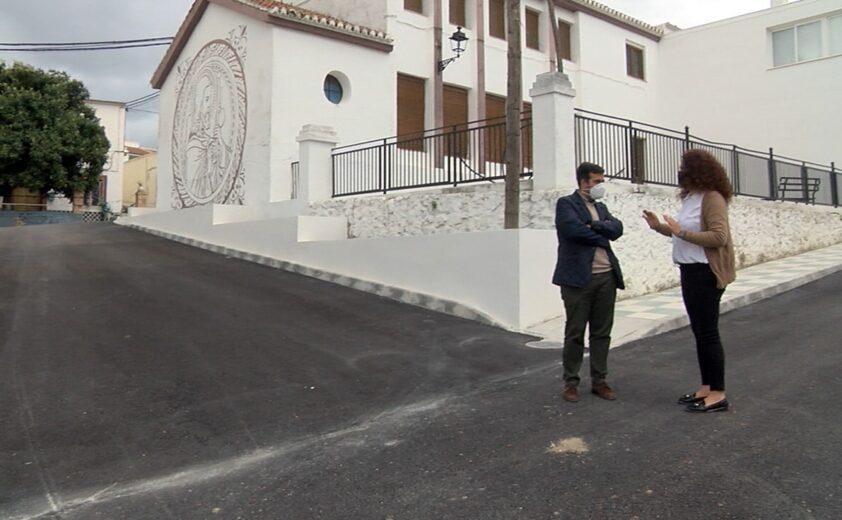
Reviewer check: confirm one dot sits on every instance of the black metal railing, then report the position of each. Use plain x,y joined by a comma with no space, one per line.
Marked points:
650,154
466,153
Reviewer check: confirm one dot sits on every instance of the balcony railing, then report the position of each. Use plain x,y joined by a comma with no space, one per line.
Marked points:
467,153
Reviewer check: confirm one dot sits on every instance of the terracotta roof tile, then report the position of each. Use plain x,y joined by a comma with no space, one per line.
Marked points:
622,17
291,12
138,150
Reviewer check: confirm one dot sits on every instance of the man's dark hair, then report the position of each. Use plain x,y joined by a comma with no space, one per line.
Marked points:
584,171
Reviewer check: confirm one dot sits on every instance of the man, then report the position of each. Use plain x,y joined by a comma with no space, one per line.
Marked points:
589,275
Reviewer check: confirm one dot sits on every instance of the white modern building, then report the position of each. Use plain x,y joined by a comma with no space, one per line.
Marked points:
765,79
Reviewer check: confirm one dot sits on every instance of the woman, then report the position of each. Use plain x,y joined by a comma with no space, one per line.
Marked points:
704,252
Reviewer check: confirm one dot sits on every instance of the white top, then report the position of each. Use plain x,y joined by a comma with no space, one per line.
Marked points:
690,219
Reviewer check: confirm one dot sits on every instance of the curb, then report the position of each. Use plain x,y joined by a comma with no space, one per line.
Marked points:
417,299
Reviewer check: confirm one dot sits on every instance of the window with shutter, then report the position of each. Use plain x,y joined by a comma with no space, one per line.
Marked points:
414,5
634,62
495,138
456,118
457,12
497,18
410,112
533,19
564,35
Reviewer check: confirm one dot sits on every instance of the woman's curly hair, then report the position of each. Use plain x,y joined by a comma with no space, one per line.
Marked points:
700,171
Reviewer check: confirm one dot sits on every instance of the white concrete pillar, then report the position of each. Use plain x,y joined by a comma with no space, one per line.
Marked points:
553,139
315,175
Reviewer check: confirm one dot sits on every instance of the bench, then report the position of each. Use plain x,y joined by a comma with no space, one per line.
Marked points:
798,189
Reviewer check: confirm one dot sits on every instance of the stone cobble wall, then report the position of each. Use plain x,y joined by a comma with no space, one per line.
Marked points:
762,230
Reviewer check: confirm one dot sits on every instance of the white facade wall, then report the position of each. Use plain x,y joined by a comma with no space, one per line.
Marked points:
720,80
597,71
600,78
301,63
217,23
112,116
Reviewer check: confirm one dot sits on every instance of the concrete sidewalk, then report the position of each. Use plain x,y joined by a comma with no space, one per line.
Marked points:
655,313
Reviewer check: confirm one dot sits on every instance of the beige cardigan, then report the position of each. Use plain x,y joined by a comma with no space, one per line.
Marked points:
714,237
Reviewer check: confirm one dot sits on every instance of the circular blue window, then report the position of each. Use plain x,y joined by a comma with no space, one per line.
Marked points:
333,89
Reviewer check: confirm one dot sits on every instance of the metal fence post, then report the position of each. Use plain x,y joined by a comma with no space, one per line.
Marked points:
773,189
805,192
451,161
686,138
388,155
629,150
834,189
735,163
332,174
381,170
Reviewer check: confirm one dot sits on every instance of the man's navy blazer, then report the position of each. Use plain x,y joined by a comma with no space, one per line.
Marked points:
578,238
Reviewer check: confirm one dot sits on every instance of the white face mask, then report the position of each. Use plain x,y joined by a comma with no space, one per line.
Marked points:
597,192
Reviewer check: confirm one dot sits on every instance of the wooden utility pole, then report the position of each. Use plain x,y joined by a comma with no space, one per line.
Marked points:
514,102
557,44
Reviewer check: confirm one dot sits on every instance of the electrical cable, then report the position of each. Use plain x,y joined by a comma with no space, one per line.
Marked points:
143,99
90,48
71,44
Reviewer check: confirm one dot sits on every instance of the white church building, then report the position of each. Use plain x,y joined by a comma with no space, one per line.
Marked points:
253,91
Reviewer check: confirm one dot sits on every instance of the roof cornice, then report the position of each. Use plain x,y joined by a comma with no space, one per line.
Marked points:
614,16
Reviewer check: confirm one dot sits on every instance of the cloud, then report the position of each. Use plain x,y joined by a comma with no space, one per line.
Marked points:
113,75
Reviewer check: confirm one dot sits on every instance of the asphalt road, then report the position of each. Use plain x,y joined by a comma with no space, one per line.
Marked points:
144,379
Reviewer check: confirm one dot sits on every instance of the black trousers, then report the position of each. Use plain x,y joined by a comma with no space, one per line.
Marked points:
701,299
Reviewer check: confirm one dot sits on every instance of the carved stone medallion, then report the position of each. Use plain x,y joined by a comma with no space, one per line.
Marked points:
209,127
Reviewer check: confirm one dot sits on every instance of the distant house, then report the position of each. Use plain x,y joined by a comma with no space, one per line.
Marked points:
243,76
140,172
112,116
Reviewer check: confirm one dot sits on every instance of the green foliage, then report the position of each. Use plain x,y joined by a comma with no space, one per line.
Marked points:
49,138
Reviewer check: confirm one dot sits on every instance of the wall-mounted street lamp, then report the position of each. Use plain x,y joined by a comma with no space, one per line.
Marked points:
458,44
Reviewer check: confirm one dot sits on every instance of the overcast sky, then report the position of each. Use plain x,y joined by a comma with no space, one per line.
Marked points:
123,75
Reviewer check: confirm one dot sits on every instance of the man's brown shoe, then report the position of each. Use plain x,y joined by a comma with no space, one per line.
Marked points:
604,391
570,393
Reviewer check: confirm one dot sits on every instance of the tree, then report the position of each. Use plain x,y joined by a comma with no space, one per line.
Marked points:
514,105
49,138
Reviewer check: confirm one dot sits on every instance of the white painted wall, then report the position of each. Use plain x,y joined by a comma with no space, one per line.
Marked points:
217,23
601,82
719,80
112,116
301,63
762,230
598,69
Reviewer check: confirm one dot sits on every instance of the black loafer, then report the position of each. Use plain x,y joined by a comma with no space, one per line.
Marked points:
690,399
719,406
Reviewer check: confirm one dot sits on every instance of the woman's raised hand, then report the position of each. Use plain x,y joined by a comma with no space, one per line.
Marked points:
651,219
